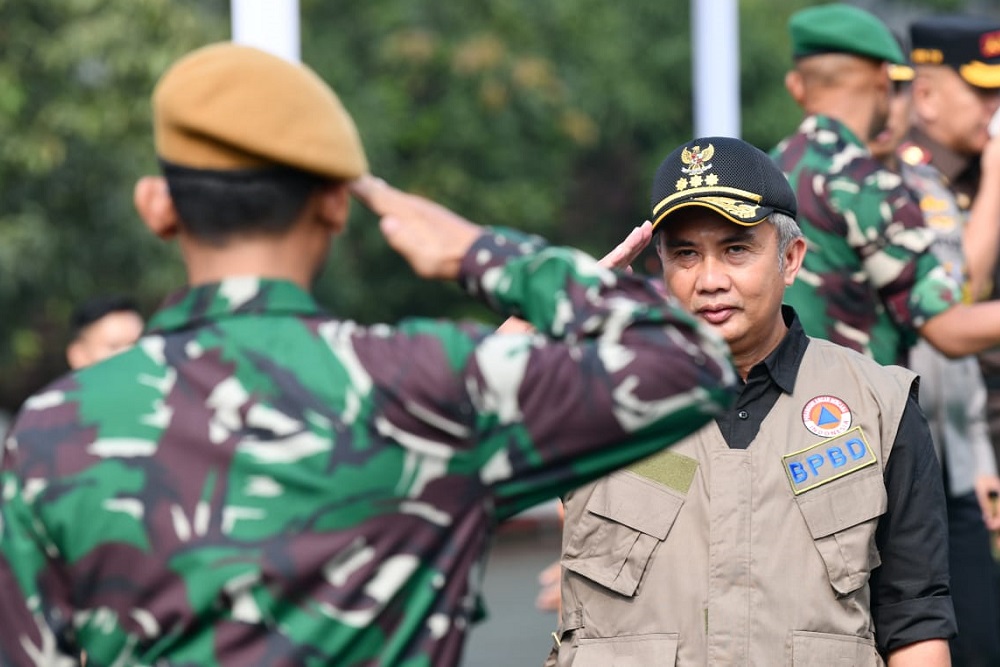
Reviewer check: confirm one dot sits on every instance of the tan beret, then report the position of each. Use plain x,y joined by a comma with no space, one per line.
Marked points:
228,106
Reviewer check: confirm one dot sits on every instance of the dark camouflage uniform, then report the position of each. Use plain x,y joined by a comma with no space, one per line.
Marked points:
869,280
258,483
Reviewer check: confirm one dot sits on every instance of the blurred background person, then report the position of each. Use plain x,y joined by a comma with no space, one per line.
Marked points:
953,167
102,326
869,281
884,146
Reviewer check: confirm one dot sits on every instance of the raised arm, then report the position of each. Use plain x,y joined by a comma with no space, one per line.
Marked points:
981,238
615,373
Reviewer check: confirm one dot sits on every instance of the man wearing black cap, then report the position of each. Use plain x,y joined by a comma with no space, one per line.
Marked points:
953,166
806,525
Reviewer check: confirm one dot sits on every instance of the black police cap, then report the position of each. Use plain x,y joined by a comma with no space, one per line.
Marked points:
969,44
726,175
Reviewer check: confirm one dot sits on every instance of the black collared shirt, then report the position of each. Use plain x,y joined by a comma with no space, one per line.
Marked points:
910,598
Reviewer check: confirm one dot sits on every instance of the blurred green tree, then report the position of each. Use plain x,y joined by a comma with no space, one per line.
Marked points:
546,116
75,76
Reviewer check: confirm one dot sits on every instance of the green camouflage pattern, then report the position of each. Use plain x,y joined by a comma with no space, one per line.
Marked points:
259,483
869,280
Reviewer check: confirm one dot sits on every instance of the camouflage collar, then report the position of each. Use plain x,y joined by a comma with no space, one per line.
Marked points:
817,122
247,295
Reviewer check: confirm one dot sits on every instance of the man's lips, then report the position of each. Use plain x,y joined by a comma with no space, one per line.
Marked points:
716,314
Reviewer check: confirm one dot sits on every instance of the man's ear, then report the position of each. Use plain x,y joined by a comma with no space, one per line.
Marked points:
794,254
76,355
924,95
796,86
333,206
156,208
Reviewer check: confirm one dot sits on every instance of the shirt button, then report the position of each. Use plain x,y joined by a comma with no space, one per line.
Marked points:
743,414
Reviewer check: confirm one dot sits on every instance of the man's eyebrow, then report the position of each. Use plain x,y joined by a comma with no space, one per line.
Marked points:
745,235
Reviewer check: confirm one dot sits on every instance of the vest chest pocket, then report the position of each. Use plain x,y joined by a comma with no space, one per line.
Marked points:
625,518
842,517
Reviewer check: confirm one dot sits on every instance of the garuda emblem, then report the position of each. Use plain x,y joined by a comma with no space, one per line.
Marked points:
697,159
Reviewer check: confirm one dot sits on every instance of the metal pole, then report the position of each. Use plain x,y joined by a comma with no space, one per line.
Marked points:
715,45
271,25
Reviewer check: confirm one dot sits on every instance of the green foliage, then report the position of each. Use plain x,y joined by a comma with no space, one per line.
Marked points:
546,116
74,82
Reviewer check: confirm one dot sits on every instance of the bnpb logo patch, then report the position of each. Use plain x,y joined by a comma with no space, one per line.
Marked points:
826,416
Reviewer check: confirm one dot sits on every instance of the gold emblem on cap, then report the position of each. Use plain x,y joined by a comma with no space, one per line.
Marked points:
711,179
681,184
927,56
696,181
739,209
698,160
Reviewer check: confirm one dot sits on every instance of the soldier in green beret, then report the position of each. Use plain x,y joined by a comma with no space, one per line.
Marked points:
259,482
870,280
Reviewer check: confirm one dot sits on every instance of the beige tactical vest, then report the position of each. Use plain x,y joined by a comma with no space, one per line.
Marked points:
706,555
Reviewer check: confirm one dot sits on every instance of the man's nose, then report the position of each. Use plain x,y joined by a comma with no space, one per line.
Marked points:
714,276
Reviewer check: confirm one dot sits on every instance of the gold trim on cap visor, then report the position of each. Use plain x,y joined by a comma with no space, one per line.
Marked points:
716,190
980,74
901,72
734,210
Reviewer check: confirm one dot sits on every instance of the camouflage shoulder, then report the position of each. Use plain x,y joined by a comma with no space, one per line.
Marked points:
913,154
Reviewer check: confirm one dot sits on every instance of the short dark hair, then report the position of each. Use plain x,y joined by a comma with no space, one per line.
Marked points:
89,311
214,206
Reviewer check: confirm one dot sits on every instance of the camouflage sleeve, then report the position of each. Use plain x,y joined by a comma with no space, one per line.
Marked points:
24,556
886,228
627,374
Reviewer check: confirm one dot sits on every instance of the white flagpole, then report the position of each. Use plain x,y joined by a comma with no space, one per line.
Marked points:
270,25
715,55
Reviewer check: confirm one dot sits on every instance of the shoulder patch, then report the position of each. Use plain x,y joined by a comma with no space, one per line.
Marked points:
826,416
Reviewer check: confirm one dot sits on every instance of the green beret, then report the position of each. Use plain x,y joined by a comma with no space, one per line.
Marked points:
232,107
840,28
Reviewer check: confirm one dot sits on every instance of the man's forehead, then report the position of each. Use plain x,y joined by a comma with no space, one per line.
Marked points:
689,229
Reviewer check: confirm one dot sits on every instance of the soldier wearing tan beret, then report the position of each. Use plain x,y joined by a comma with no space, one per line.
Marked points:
257,482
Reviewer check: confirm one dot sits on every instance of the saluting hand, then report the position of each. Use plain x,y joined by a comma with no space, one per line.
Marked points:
626,251
428,236
619,258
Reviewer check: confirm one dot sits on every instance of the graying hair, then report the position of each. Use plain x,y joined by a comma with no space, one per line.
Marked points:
788,230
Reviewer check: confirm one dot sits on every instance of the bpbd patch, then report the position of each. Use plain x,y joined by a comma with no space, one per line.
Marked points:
828,460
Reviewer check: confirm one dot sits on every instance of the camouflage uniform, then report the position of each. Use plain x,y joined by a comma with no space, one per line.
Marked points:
258,483
869,280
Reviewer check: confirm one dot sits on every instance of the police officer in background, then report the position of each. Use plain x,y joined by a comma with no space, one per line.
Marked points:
806,525
257,482
870,281
947,156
